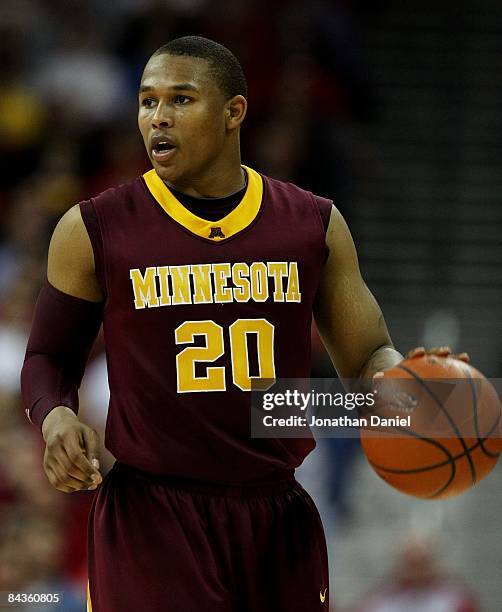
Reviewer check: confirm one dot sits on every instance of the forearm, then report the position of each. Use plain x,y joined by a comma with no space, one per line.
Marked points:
62,334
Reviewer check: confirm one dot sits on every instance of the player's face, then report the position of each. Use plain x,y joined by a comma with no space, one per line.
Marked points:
181,117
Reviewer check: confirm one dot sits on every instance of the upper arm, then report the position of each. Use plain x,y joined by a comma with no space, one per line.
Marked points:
70,265
348,317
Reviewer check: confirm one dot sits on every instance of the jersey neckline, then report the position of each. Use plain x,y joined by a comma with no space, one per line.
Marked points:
237,220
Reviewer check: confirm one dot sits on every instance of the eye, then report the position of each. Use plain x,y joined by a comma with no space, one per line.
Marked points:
181,99
147,102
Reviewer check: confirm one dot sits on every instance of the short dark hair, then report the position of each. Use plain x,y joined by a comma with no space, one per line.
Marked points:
224,66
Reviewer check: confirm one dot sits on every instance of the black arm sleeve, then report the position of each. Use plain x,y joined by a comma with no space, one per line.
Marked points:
62,334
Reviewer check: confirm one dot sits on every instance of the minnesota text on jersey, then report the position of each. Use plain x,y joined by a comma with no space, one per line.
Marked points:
215,283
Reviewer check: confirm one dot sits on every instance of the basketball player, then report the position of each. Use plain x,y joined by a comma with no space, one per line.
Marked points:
205,275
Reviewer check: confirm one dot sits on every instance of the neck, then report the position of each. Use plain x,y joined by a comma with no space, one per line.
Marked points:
224,177
217,187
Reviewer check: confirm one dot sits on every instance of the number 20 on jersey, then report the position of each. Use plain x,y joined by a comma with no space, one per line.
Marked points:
214,348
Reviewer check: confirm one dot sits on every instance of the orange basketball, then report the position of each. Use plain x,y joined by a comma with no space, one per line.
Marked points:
454,432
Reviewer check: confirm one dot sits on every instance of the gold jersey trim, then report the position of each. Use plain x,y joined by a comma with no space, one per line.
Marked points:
237,220
89,602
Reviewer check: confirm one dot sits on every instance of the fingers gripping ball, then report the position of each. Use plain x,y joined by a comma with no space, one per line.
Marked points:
455,433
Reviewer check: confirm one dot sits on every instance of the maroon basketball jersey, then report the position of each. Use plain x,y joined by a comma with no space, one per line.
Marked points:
196,313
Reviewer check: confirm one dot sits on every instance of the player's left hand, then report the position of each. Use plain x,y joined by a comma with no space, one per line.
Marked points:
441,351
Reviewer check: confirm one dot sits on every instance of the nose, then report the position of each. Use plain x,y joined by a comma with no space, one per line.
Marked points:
162,118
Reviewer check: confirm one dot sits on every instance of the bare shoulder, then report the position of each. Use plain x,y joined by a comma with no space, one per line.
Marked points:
339,241
70,266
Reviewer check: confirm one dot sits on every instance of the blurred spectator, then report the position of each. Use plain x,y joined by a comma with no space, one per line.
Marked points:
31,558
81,81
419,584
22,114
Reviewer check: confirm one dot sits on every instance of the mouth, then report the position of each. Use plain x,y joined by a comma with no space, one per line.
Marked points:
162,151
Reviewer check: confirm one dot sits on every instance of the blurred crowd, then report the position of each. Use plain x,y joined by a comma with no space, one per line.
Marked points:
68,101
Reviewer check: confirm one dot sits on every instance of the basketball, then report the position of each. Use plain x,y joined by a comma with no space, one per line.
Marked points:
453,438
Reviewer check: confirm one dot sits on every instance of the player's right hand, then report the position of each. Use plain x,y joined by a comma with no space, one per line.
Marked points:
71,460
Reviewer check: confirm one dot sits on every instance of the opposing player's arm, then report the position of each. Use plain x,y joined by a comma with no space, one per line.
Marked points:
66,321
348,317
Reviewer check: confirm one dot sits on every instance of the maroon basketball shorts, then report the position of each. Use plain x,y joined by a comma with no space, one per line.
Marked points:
157,544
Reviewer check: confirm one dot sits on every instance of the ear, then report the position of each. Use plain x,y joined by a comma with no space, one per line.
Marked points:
235,111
